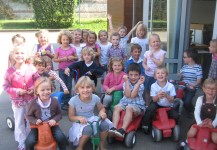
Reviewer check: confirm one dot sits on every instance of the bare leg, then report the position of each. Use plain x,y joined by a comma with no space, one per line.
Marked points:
214,137
103,136
127,118
82,142
192,132
116,115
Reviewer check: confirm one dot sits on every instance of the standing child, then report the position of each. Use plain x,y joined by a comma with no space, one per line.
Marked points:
113,80
65,55
44,109
141,38
81,108
18,83
132,102
84,35
191,74
213,67
205,111
115,50
152,59
135,57
162,93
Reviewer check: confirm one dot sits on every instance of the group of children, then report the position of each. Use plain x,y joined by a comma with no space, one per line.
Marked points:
142,77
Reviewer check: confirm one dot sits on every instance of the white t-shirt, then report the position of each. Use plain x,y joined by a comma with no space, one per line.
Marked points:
78,50
104,50
142,43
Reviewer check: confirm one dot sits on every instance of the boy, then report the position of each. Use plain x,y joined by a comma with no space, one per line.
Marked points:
136,50
132,102
162,94
116,50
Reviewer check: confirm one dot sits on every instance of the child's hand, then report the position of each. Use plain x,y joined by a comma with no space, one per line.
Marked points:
140,22
22,92
109,91
48,52
70,58
109,17
51,122
66,91
125,77
82,120
67,71
89,73
51,78
161,94
63,59
30,92
103,115
147,68
38,122
141,80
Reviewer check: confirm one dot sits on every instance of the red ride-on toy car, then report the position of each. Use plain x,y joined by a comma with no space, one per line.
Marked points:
202,141
164,126
130,136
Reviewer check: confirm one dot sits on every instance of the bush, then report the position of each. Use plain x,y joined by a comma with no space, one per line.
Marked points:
54,13
5,11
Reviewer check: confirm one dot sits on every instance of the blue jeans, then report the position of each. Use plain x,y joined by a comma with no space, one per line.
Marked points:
68,81
58,135
189,95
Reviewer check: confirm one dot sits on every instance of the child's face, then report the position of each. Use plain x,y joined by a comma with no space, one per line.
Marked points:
19,55
44,91
115,40
186,58
40,68
160,75
212,47
84,37
65,41
122,32
18,41
133,76
85,91
87,58
136,54
77,36
141,33
155,42
117,67
48,66
91,39
42,39
210,90
103,37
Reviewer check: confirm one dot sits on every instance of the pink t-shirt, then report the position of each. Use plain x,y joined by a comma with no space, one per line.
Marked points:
112,80
64,53
157,55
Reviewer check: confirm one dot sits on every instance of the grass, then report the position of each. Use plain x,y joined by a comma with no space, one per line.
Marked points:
92,24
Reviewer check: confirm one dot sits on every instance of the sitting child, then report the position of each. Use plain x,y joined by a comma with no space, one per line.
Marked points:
81,108
205,111
132,102
44,109
162,93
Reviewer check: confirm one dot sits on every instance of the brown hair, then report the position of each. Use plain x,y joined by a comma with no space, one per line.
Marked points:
39,61
115,34
115,59
18,36
87,50
136,46
64,32
41,80
91,32
122,27
102,31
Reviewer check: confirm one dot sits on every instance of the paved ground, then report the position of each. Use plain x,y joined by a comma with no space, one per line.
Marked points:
144,142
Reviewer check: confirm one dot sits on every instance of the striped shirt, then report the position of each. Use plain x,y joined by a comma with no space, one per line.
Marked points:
56,77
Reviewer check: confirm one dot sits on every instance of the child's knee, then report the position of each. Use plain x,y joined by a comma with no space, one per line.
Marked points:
192,132
214,138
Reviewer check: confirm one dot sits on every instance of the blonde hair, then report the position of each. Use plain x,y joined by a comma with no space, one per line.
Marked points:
42,31
115,59
16,48
66,33
161,68
152,35
141,27
84,80
214,41
122,27
41,80
87,50
209,81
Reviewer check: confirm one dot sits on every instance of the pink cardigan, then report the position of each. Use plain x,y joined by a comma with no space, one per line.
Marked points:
14,81
112,80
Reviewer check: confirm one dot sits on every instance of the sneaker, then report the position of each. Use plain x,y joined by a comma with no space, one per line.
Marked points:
112,130
120,133
146,129
180,145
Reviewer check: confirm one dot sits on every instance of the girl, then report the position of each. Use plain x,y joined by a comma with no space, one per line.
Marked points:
86,66
18,83
113,80
81,108
152,59
43,48
213,67
65,55
205,111
91,42
141,38
84,35
44,109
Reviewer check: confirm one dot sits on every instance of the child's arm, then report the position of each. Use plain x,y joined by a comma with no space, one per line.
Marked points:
74,118
110,22
197,110
57,115
144,64
156,61
127,91
73,57
134,28
101,109
135,90
120,86
50,53
58,60
98,51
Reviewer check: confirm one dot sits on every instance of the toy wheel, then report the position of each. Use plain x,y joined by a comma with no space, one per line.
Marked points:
176,133
187,147
156,134
110,139
10,123
130,139
110,114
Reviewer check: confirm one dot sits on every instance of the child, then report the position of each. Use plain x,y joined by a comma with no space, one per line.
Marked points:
81,108
65,55
141,38
135,57
124,37
17,40
18,83
132,102
152,59
205,111
84,35
86,66
213,67
40,66
43,48
113,80
191,74
44,109
162,93
115,50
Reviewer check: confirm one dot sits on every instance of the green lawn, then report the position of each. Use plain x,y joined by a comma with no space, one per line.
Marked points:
92,24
